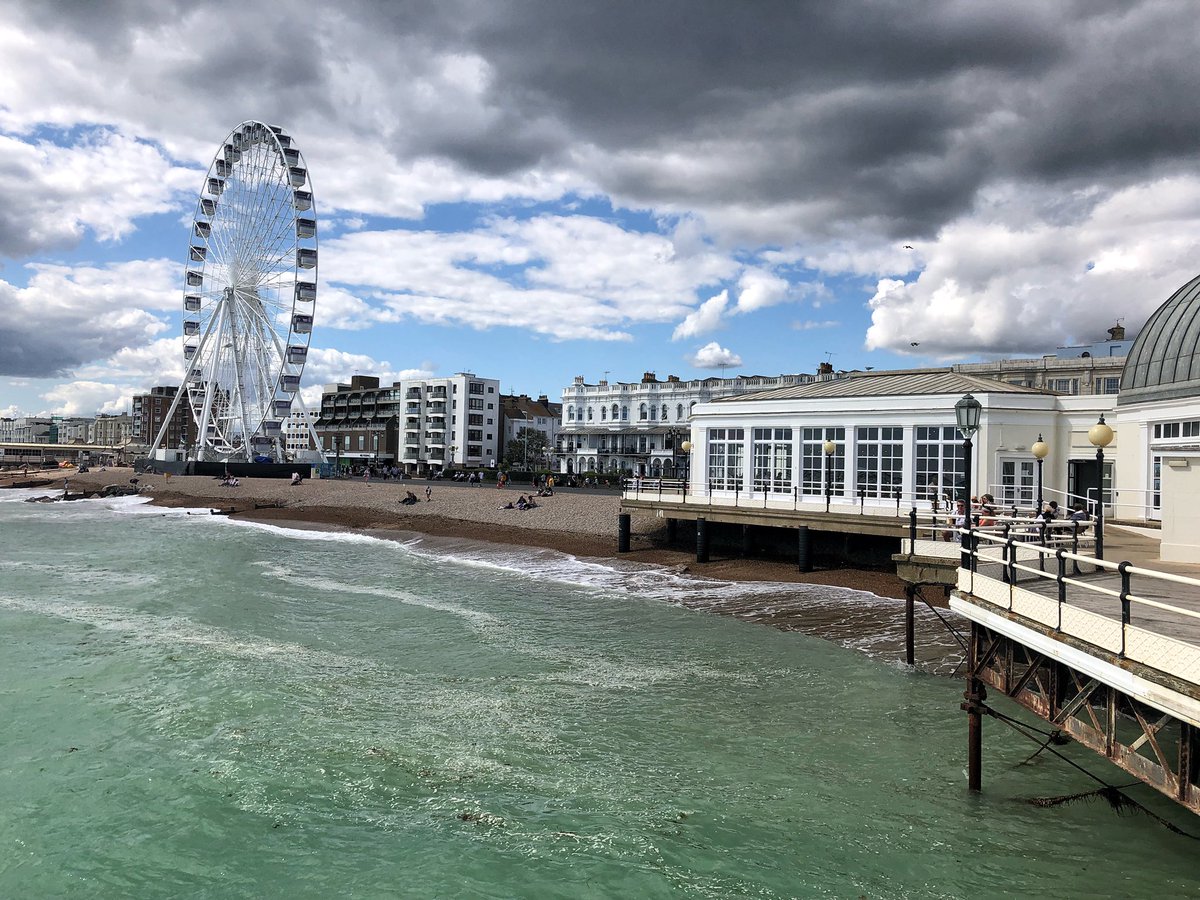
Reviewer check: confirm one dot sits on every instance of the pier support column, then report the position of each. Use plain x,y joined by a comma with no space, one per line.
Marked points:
747,544
973,698
701,541
803,549
623,533
910,595
672,530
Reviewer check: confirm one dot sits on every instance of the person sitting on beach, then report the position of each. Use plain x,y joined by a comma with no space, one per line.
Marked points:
532,504
507,505
522,503
409,498
296,479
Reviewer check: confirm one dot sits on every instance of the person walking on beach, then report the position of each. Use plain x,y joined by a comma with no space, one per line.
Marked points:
428,493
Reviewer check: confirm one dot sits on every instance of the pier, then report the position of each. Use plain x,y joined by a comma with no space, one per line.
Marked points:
1105,652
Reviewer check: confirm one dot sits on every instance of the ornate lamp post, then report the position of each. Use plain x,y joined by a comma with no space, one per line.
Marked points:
967,412
1101,436
830,448
686,447
1040,450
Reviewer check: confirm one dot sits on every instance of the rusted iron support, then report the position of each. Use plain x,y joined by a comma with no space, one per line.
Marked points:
623,533
972,704
701,540
803,549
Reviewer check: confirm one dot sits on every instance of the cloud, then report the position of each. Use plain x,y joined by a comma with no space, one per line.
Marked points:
102,183
813,324
758,289
88,398
69,315
759,139
714,356
996,284
567,277
704,319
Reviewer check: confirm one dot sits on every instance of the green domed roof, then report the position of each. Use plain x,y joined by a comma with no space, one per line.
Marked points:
1164,363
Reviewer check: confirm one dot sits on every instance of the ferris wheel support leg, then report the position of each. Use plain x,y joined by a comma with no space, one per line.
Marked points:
179,394
209,389
239,361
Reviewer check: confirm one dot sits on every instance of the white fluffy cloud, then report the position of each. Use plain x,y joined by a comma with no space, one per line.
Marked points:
707,317
714,356
758,289
88,398
999,283
69,315
102,183
561,276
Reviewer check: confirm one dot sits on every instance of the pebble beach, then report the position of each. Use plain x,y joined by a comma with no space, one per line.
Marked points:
583,524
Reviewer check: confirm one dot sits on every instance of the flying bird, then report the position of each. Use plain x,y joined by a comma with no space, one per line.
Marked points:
914,343
909,247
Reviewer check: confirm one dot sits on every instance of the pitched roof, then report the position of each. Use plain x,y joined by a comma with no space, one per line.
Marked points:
899,383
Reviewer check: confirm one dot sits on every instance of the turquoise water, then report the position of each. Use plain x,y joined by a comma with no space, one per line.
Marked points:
197,708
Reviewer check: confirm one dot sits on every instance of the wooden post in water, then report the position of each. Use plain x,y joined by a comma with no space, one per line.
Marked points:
973,697
910,592
804,548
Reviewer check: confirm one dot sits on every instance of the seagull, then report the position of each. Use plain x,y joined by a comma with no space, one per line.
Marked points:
909,247
914,343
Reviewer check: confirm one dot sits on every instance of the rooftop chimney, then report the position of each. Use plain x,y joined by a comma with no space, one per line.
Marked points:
1117,332
648,378
825,368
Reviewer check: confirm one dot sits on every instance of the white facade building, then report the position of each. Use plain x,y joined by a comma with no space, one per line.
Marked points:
295,432
638,427
111,431
446,422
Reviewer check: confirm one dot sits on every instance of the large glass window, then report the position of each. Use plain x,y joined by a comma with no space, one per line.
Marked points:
726,450
813,462
880,464
940,467
773,460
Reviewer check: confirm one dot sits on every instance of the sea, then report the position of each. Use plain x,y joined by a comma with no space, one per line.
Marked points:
193,706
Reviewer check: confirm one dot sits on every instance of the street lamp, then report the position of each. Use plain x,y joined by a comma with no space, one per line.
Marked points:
830,448
1101,436
686,447
966,413
1040,450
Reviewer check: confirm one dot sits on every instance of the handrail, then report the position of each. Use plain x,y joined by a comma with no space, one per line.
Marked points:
981,553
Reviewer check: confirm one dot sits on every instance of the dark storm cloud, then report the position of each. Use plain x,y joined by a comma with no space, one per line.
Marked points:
874,115
883,111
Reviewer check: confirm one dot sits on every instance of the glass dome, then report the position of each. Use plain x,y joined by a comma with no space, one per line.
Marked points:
1164,362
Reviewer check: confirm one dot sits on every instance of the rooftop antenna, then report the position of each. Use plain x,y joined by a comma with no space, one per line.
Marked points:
828,356
606,371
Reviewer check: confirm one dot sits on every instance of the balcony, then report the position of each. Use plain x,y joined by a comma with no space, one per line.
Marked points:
413,394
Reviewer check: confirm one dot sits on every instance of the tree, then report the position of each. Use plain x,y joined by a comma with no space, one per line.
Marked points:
527,450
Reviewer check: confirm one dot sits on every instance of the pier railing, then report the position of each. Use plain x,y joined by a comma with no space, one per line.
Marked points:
1141,614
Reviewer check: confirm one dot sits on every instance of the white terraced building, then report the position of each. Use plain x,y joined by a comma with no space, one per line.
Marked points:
637,427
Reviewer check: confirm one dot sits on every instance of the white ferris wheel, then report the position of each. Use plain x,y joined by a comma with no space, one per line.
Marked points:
250,288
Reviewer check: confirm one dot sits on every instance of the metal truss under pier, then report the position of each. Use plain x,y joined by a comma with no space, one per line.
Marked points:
1144,720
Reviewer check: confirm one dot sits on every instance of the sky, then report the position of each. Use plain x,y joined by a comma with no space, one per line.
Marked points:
536,191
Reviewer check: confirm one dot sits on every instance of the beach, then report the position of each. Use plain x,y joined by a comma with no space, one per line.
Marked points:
582,524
